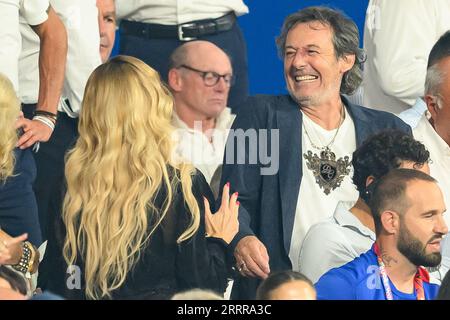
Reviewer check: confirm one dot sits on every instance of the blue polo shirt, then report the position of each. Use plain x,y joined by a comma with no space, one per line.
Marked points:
360,279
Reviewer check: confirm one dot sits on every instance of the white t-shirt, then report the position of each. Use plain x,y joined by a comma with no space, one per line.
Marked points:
30,12
83,54
313,205
172,12
440,158
398,37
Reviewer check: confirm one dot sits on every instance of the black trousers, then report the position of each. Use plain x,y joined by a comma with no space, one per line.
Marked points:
50,165
156,53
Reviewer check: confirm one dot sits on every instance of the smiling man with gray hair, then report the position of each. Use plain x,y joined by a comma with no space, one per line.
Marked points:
318,130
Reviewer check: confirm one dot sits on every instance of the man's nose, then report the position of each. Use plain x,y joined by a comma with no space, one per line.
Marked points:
221,85
299,61
101,25
441,225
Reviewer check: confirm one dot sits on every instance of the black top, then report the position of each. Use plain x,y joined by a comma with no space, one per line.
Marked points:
164,267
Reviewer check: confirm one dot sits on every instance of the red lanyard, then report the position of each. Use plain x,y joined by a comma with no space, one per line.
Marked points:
421,274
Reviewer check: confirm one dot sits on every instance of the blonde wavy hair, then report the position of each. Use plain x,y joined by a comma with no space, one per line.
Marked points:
9,111
115,170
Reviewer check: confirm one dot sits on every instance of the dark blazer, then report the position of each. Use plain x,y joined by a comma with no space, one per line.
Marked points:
164,267
18,208
268,202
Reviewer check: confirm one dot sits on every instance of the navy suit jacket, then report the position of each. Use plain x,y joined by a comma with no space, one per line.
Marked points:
268,202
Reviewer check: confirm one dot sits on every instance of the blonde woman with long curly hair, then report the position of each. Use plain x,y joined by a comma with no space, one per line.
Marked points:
133,222
18,208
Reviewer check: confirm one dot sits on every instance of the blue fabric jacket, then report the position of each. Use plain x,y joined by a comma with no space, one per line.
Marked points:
18,208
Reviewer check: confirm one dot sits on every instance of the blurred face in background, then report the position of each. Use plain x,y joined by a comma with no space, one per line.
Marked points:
439,105
293,290
107,27
190,87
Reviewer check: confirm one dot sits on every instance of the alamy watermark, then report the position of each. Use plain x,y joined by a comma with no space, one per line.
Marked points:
73,281
254,147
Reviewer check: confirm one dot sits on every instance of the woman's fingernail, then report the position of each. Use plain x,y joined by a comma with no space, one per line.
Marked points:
238,203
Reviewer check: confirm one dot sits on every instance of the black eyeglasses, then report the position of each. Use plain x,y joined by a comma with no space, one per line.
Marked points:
211,78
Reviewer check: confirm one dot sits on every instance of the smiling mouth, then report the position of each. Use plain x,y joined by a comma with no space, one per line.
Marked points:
306,78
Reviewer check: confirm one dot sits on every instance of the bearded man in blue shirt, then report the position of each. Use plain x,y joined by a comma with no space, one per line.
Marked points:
407,206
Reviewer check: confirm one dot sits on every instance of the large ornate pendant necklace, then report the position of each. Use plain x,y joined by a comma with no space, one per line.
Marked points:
328,172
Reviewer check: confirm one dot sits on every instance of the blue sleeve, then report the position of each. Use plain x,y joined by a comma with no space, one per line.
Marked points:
334,285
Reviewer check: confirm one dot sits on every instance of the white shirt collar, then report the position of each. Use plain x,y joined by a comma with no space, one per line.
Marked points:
346,219
413,115
223,121
435,144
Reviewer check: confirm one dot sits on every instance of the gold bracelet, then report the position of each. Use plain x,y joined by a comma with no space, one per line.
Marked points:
24,263
34,261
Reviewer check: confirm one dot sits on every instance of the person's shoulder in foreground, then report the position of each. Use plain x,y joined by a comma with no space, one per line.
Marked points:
343,283
360,280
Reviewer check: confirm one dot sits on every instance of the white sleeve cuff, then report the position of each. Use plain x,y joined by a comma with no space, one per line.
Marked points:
34,11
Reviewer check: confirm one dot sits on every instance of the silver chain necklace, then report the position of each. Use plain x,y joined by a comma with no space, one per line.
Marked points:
328,172
341,121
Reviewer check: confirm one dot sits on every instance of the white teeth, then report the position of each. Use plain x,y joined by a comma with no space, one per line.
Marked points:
305,78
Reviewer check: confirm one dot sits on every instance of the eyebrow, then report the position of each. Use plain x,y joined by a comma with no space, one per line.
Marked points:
307,46
432,212
110,13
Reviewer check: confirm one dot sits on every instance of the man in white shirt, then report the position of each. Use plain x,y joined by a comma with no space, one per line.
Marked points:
80,18
398,36
152,29
432,126
200,78
39,19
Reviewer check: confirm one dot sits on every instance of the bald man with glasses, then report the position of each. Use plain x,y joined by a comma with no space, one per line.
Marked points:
200,77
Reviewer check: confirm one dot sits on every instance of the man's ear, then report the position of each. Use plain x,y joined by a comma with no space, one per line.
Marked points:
369,180
432,105
390,221
347,62
174,80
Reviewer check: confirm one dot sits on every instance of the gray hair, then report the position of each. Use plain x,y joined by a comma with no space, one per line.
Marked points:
178,57
433,81
345,40
183,53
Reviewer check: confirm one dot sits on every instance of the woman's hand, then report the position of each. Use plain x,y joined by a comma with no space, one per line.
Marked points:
11,248
224,223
